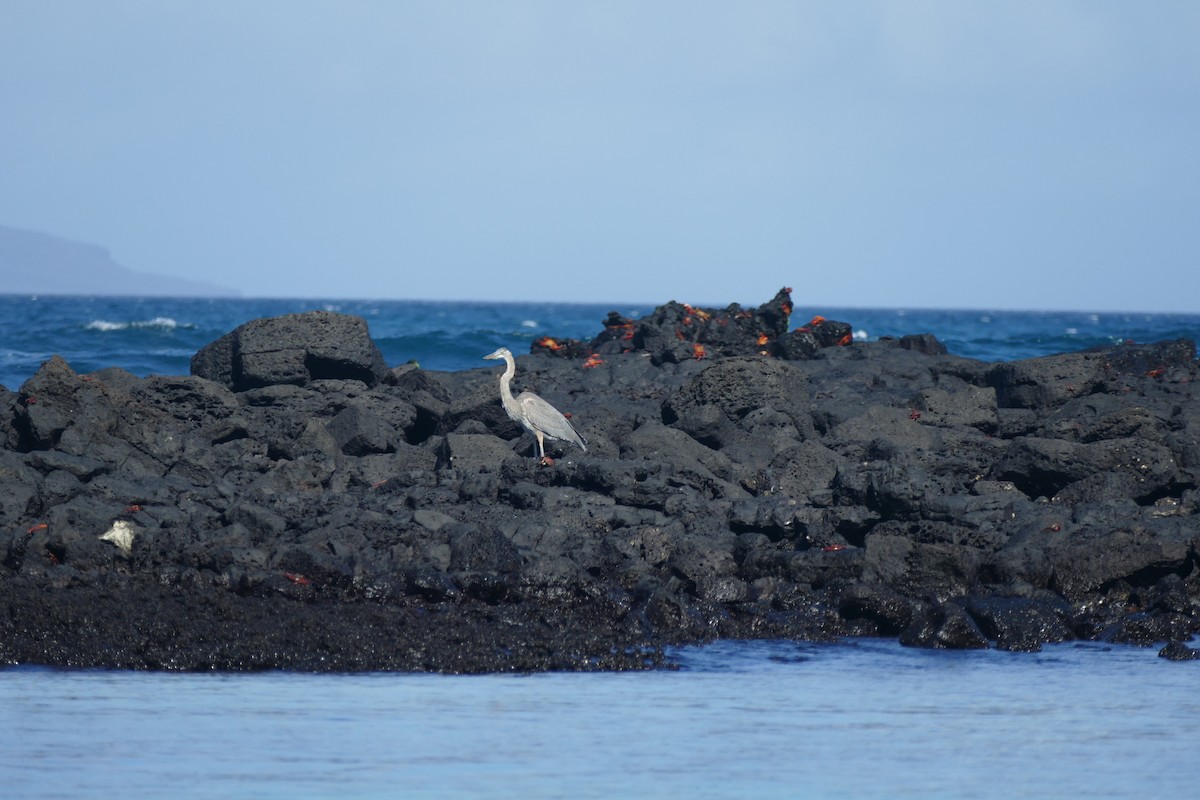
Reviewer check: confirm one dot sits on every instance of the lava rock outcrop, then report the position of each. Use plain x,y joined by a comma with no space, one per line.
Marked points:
295,504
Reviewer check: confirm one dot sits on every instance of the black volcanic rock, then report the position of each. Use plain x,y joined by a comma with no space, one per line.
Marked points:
295,504
292,349
678,332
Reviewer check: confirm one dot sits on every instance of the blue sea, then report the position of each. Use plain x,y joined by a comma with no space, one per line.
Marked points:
860,718
159,335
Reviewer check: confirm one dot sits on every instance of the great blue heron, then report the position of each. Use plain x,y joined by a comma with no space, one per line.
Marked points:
535,414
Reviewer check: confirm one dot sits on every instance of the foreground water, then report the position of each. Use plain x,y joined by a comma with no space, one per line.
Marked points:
865,718
159,335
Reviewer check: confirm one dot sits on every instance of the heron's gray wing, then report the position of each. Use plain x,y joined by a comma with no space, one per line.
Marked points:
548,419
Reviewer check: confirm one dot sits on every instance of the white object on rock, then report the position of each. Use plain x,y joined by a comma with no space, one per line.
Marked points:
121,534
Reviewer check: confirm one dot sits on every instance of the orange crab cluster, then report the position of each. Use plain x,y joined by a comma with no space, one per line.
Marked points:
625,327
733,331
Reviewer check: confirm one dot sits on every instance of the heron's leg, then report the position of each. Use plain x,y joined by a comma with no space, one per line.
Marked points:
541,446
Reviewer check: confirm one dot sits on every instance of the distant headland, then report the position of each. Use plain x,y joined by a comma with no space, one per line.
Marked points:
38,263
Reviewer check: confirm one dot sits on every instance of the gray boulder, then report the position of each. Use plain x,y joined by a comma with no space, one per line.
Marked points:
292,349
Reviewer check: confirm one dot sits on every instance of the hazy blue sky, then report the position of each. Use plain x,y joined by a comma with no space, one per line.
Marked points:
954,154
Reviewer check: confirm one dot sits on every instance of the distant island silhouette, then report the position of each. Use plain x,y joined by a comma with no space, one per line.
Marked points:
38,263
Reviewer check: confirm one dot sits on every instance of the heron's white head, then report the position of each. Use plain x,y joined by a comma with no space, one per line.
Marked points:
502,352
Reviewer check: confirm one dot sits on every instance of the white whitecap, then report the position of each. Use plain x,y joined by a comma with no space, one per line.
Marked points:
861,335
529,323
105,325
1071,331
157,322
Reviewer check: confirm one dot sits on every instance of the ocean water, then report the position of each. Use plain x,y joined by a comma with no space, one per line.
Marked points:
862,718
159,335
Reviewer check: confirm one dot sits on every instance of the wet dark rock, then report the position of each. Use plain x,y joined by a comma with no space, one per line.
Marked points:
1091,555
944,626
887,611
295,504
1150,628
1178,651
1021,623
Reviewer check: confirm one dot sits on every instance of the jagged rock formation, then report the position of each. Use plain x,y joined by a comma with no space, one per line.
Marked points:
294,504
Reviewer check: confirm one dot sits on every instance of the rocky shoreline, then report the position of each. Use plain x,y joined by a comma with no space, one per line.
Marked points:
295,503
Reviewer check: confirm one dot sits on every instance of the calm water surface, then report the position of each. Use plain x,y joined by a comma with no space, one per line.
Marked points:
767,719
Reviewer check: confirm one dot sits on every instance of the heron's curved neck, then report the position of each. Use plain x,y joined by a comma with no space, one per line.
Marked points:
510,369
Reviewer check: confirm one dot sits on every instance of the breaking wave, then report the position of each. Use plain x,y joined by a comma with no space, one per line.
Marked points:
163,323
